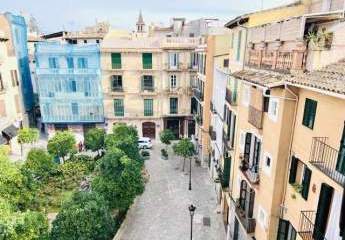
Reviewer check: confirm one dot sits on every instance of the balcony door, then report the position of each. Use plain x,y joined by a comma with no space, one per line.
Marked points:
341,155
323,210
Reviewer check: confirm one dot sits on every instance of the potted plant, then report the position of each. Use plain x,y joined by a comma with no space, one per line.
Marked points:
166,136
145,154
164,154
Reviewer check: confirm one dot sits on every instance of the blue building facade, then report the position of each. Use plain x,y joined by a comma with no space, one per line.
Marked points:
19,41
69,83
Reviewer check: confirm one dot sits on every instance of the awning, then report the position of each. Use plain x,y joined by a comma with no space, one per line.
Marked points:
2,140
10,131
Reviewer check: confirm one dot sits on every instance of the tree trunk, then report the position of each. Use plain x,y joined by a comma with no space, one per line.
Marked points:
184,163
21,150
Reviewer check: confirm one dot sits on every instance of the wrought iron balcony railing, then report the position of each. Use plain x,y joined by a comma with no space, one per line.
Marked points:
198,95
231,97
117,89
307,228
252,173
255,117
325,158
212,134
248,223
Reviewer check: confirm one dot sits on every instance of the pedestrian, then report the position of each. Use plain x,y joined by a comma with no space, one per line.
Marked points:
80,146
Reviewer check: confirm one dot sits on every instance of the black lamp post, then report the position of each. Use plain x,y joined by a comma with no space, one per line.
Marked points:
190,174
191,209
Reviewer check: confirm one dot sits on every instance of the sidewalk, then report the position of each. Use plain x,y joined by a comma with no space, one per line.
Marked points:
161,213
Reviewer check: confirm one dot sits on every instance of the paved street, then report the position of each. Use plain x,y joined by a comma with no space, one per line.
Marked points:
161,213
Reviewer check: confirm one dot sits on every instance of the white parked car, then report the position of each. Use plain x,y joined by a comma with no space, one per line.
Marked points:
144,143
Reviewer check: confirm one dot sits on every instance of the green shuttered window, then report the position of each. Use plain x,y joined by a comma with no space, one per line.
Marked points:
148,107
116,60
147,60
239,43
293,170
226,172
309,113
306,183
118,107
173,105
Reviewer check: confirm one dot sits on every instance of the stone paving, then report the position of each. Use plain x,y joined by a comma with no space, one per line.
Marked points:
161,212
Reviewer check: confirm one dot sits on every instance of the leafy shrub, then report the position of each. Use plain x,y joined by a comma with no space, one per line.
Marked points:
72,173
164,152
88,161
85,216
39,164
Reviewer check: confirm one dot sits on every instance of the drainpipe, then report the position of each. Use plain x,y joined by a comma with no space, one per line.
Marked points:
290,149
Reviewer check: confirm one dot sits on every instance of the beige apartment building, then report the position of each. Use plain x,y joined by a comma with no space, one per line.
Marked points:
146,82
11,103
286,135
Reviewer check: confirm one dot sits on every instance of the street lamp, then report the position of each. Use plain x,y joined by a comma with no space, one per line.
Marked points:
191,209
190,174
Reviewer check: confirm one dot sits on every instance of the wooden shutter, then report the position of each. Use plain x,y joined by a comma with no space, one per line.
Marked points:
116,60
239,42
247,146
251,197
309,113
323,210
256,157
306,182
293,170
226,171
147,60
243,194
341,154
233,129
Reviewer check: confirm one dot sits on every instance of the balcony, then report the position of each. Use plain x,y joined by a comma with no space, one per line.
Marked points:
277,60
248,223
117,89
180,42
250,172
212,134
325,158
307,230
198,95
231,97
171,68
255,117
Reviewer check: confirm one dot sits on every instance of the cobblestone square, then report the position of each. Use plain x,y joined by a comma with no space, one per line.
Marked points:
161,212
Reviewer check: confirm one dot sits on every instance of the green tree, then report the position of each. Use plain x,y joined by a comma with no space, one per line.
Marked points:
185,149
94,139
62,144
119,179
121,130
39,164
26,136
166,136
16,225
127,144
85,216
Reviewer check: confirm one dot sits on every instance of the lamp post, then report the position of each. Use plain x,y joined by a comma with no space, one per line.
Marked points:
190,174
191,209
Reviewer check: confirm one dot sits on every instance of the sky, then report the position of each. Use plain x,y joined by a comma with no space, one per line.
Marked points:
53,16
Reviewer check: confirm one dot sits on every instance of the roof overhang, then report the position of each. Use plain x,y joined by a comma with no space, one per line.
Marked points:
323,17
10,131
237,21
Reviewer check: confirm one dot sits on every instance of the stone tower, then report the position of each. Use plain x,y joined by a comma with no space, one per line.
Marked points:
140,24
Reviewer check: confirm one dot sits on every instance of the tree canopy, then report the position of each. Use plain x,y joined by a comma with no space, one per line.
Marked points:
184,148
62,144
85,216
27,135
119,180
94,139
39,164
166,136
15,225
